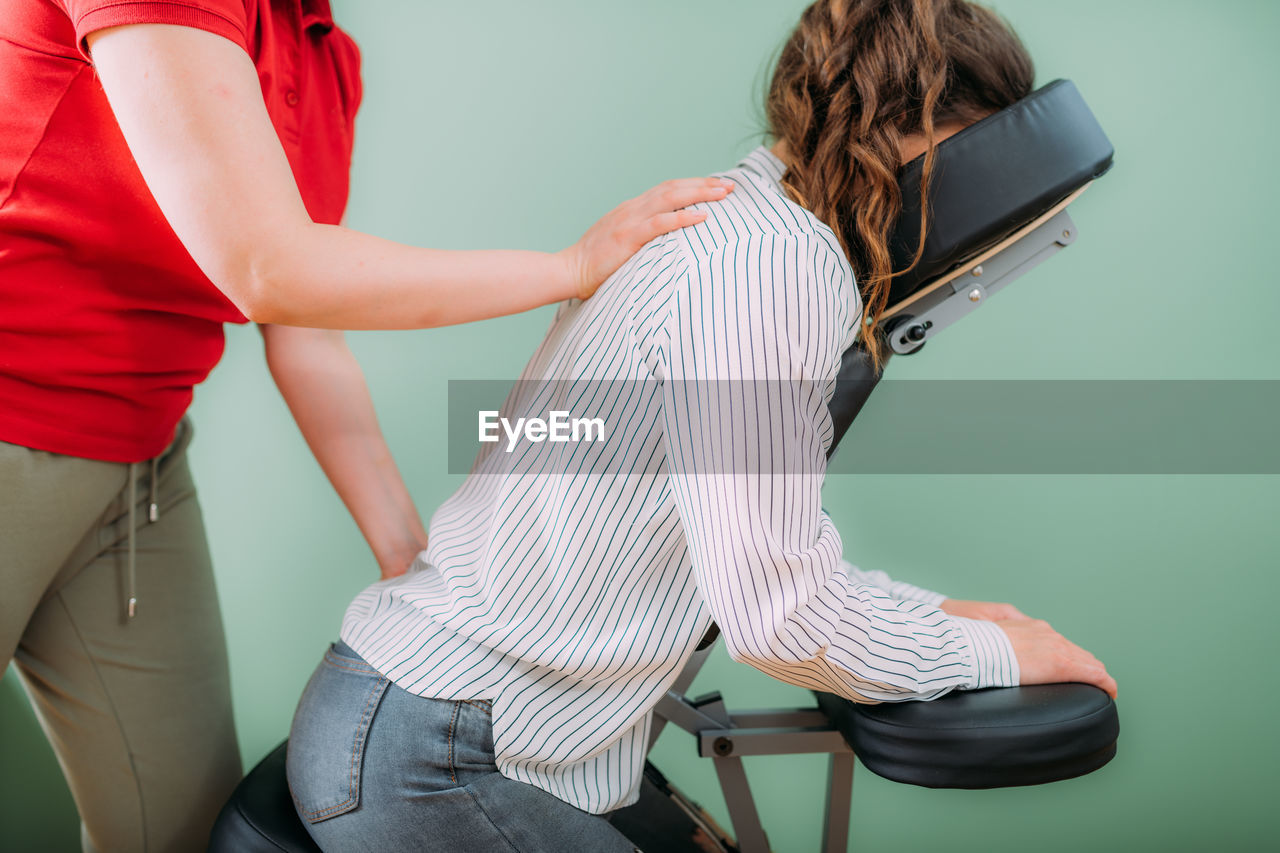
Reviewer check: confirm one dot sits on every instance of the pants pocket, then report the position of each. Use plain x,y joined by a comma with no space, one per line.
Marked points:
330,729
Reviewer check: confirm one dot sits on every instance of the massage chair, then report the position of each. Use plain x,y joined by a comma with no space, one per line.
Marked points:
997,207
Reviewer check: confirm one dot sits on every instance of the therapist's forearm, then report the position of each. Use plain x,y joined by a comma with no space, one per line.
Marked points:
325,390
328,276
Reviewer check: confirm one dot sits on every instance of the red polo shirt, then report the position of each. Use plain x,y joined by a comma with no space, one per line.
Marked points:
106,323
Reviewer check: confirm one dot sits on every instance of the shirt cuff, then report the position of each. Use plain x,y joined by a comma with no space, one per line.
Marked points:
994,663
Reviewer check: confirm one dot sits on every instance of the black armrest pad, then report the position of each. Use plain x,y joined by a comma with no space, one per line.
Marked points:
994,738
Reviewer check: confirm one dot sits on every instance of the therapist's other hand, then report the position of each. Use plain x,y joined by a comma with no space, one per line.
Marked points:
394,563
393,570
1047,657
990,611
624,230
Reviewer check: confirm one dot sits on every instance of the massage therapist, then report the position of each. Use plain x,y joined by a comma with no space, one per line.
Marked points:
167,167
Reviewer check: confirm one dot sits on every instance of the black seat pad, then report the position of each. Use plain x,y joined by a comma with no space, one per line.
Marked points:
993,738
259,817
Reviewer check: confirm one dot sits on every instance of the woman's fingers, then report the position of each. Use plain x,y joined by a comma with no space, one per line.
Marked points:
1109,685
624,230
661,209
673,195
1047,657
664,222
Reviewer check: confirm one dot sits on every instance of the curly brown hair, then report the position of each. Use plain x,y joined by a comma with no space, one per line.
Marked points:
854,79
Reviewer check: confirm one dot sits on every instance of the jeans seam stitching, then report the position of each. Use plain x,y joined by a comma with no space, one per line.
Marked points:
453,774
348,666
492,823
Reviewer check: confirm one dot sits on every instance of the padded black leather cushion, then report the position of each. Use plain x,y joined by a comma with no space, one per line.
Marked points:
990,179
994,738
259,817
995,176
856,380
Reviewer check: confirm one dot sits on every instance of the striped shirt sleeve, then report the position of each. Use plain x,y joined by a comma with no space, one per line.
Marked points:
895,589
752,345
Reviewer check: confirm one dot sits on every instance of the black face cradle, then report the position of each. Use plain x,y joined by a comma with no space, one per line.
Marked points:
994,177
997,205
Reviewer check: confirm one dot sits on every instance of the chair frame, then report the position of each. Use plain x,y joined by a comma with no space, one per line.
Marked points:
726,737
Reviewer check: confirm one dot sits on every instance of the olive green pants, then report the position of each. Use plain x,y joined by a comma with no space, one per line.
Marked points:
137,709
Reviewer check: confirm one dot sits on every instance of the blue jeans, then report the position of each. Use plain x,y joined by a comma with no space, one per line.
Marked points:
373,767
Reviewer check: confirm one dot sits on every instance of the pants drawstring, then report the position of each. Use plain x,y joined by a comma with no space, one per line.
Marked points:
153,511
132,577
153,515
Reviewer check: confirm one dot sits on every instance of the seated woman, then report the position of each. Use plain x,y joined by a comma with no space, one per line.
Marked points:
499,696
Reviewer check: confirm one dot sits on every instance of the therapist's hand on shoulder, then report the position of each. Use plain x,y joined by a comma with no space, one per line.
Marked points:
625,229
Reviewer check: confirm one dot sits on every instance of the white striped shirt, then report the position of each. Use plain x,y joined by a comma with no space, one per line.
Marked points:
570,589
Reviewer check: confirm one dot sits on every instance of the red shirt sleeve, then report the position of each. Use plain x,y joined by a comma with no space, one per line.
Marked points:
226,18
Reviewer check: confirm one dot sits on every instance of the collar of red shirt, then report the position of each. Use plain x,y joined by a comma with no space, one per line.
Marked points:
317,13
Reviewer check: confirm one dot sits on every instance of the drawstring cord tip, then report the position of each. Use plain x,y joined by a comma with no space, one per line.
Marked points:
153,513
133,607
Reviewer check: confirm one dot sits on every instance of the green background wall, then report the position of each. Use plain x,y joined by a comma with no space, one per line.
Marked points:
511,124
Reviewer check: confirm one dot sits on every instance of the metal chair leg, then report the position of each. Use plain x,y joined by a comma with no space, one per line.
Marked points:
742,806
835,824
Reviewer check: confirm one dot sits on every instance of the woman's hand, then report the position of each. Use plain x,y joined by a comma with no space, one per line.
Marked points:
988,610
1044,656
624,230
1047,657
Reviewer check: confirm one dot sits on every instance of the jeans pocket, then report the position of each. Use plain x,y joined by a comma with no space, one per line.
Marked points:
330,728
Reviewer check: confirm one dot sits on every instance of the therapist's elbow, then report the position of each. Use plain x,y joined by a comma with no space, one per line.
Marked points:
251,299
259,286
261,302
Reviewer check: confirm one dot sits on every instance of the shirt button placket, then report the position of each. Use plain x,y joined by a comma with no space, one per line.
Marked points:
291,54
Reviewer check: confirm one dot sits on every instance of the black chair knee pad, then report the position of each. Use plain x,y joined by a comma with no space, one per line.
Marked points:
995,738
